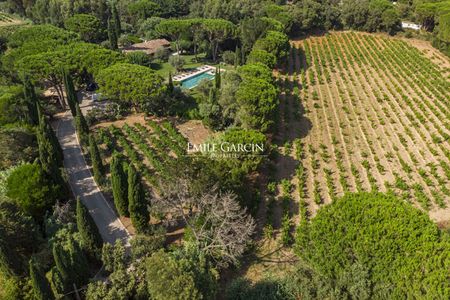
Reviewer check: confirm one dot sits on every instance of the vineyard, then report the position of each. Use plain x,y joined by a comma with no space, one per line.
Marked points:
6,19
152,148
362,112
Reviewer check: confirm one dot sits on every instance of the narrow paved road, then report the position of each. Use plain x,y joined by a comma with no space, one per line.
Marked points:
84,186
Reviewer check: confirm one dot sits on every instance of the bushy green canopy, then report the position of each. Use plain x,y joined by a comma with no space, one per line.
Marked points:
403,252
31,190
37,33
76,57
263,57
444,28
229,142
256,70
275,42
87,26
130,83
257,100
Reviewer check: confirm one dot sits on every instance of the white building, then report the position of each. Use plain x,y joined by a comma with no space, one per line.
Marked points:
409,25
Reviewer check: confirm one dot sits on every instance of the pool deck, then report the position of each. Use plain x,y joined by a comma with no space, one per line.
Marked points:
199,70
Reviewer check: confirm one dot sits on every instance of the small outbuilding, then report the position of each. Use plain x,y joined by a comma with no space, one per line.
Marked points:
149,47
410,25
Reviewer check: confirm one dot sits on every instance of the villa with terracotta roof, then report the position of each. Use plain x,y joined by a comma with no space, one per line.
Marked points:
149,47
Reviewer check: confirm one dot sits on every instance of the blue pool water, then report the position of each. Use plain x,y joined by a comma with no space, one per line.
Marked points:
195,80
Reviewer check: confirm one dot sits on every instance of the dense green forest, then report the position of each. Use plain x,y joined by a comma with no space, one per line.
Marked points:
365,245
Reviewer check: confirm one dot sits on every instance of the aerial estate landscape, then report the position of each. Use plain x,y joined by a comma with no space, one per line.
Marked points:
231,150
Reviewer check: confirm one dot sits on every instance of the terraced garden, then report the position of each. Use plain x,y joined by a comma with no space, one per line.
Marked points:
362,112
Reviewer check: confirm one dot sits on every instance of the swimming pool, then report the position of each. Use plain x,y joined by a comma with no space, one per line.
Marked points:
195,80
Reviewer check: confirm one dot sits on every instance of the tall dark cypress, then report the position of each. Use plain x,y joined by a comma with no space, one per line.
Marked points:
136,201
71,94
119,184
91,240
237,57
40,284
50,153
47,130
70,262
9,262
112,35
217,78
114,26
170,84
81,126
116,18
62,264
96,161
100,10
31,102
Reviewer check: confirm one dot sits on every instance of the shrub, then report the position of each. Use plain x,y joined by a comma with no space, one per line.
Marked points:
228,57
393,241
177,62
31,189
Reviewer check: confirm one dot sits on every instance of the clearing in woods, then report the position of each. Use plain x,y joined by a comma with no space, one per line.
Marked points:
358,112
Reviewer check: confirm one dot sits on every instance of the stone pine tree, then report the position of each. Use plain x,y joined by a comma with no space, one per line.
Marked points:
31,101
40,284
81,126
137,205
91,241
237,57
71,94
119,184
96,161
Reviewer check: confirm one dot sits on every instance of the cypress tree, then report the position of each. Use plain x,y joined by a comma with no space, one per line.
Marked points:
79,264
237,57
137,205
40,284
9,262
81,126
31,102
62,264
47,131
217,78
116,19
119,184
56,282
70,262
112,35
50,153
71,95
96,161
212,96
90,236
170,84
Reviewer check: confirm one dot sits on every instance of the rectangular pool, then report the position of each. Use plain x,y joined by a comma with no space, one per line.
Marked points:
195,80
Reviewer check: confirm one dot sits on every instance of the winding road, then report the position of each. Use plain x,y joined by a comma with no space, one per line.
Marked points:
83,185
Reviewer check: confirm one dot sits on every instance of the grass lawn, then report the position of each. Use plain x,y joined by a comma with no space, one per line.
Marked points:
164,68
